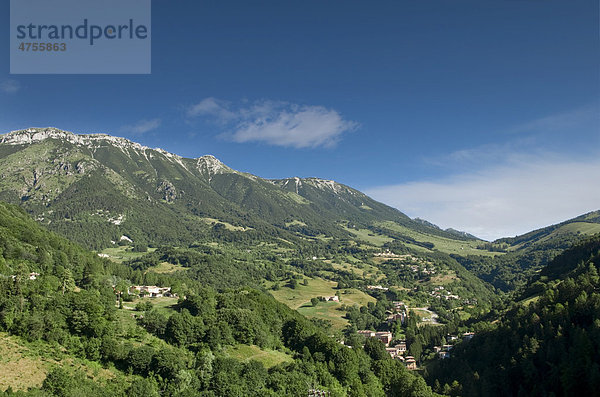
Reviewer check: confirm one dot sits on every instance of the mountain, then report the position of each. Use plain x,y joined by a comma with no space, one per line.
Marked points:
525,255
98,188
224,227
587,224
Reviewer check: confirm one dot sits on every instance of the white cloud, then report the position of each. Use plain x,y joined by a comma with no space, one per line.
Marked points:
504,200
276,123
10,86
296,126
142,126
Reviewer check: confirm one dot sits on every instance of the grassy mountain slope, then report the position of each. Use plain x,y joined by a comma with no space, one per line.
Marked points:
586,224
527,254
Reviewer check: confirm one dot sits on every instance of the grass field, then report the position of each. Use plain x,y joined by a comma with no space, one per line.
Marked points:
347,267
325,311
361,269
123,253
228,226
269,358
584,228
126,317
162,304
297,198
294,223
299,299
464,315
369,237
127,314
17,368
165,267
447,278
295,298
528,301
421,313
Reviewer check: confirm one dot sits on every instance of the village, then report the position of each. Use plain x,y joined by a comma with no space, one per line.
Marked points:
398,348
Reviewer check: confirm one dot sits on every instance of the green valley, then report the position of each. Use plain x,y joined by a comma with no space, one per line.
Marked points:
130,271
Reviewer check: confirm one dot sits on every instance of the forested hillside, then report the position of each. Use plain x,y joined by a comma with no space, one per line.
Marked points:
545,343
523,256
74,301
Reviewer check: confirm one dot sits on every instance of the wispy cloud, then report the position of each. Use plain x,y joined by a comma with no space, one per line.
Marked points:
212,107
276,123
570,133
505,200
141,127
542,172
564,122
10,86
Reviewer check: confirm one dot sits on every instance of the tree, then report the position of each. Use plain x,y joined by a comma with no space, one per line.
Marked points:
314,301
144,306
416,348
140,359
167,363
154,322
141,387
376,349
122,287
139,247
59,382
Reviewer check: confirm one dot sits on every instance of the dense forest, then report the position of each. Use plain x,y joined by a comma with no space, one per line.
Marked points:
546,342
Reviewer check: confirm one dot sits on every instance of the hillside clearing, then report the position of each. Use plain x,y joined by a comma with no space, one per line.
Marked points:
299,299
123,253
166,268
268,358
24,365
369,237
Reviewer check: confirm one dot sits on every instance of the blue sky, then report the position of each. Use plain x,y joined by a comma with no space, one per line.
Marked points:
478,115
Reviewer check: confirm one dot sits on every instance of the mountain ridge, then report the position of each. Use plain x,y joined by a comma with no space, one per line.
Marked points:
54,173
209,163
